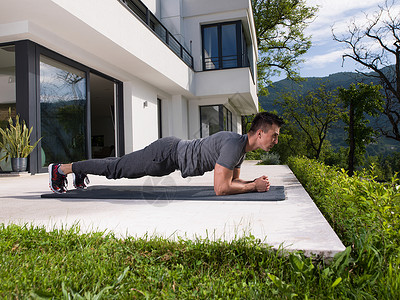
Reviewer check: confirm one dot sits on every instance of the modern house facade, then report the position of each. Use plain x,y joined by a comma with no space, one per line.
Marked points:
98,78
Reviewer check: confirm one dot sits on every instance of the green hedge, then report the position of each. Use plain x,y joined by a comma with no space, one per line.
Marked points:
365,215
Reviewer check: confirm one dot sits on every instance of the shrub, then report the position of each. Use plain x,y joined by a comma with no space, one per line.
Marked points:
270,159
255,154
365,215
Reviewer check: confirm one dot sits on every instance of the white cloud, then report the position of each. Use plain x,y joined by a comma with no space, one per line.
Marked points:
325,55
336,9
339,14
322,60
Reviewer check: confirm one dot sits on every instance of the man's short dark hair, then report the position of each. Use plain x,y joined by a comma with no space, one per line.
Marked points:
264,119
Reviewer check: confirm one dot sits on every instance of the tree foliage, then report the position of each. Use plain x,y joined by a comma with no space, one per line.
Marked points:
280,35
376,46
360,100
292,142
314,114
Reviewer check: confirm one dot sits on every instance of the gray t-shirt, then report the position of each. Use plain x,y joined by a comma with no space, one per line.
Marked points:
195,157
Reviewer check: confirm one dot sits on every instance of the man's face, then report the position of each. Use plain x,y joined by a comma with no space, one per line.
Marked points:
270,138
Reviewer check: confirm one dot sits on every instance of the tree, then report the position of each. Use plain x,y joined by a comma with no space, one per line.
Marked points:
280,35
376,46
361,100
314,113
292,142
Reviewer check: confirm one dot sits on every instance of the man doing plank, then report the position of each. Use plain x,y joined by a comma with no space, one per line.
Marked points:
222,152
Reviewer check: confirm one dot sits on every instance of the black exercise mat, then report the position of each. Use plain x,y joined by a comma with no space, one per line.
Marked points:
275,193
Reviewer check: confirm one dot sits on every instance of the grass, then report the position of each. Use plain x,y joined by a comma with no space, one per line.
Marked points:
68,264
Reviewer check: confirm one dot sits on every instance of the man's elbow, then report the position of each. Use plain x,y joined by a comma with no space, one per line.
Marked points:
221,191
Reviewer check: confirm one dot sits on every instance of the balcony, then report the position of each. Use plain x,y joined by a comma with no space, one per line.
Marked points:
137,8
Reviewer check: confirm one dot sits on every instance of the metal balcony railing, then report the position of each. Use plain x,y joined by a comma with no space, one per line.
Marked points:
140,10
227,62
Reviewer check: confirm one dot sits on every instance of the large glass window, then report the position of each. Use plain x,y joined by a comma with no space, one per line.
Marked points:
7,92
214,118
63,110
227,119
224,46
229,46
210,48
209,116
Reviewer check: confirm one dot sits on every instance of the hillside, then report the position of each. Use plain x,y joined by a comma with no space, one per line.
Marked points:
333,81
343,79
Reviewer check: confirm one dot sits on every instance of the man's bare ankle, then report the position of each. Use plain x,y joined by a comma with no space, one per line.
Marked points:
66,168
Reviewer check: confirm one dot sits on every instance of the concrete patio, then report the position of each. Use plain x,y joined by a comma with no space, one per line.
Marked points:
295,223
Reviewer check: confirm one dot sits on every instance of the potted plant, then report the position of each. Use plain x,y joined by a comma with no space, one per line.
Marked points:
15,142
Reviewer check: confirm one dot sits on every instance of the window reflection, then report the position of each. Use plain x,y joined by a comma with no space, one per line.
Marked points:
7,92
210,44
214,118
7,83
224,46
209,120
63,112
229,46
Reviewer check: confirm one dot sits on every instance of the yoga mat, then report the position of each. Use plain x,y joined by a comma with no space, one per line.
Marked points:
275,193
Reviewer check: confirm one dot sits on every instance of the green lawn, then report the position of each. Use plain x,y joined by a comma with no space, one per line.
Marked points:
67,264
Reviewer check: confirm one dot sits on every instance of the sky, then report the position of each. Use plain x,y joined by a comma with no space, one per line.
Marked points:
325,55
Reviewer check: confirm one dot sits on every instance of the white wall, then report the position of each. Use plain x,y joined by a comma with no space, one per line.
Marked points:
209,7
110,40
193,120
140,121
152,5
171,16
179,116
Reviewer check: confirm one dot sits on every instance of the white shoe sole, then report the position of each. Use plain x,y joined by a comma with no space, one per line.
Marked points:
73,182
50,170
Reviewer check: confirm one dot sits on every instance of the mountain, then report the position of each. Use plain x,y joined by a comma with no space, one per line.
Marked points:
333,81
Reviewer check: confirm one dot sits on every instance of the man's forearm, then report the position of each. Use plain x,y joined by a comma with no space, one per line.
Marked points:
237,186
242,181
227,182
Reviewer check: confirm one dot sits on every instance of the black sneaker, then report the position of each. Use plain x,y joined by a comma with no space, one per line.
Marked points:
80,180
57,182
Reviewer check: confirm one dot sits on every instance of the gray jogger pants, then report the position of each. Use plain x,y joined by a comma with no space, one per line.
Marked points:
157,159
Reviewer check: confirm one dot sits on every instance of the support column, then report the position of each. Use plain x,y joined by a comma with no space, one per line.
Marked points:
179,116
27,95
172,17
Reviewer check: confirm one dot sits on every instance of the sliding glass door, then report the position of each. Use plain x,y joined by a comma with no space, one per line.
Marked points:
102,116
75,110
63,112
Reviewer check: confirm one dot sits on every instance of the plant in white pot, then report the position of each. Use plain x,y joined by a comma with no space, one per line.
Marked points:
15,142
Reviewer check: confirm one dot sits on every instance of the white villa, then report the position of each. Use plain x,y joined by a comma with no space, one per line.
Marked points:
98,78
